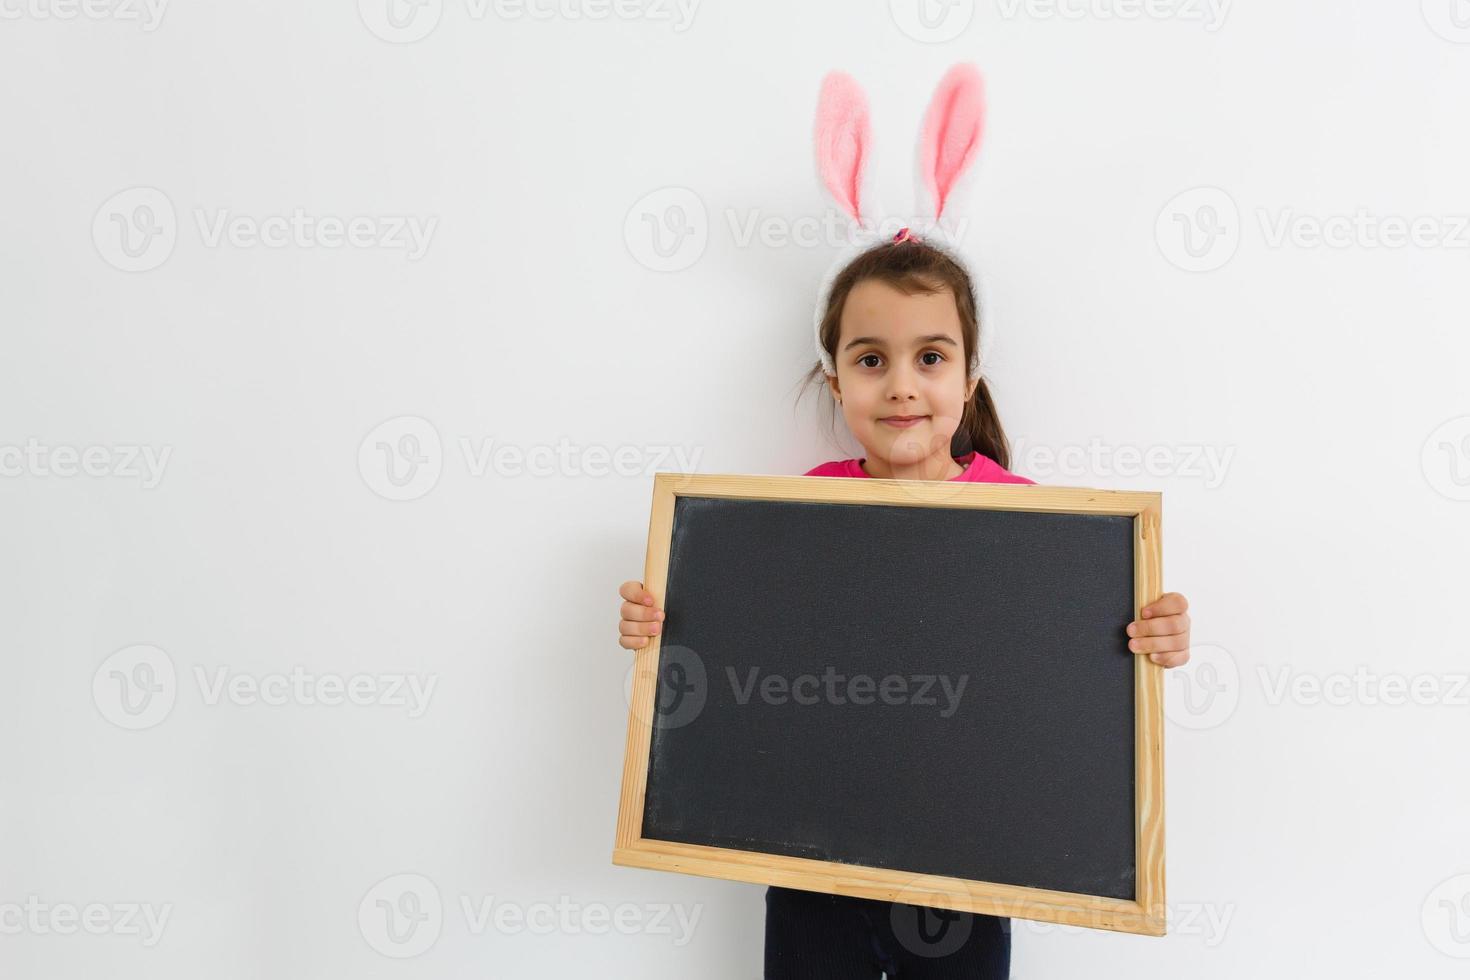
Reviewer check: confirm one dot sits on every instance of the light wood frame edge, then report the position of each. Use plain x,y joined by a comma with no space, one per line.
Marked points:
1148,719
1145,916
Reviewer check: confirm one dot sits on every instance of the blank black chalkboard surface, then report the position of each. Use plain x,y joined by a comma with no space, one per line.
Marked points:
916,691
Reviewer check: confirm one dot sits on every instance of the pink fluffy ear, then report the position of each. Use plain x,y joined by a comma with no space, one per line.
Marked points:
950,139
843,140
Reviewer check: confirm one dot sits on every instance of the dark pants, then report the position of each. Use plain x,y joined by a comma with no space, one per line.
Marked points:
811,936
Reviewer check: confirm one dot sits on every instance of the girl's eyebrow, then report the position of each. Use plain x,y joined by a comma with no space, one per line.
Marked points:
933,338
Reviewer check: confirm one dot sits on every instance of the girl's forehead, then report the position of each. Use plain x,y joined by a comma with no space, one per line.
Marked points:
883,311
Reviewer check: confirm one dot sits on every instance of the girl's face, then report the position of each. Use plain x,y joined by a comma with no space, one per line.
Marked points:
901,377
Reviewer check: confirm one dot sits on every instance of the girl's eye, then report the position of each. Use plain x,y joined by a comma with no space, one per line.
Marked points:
864,360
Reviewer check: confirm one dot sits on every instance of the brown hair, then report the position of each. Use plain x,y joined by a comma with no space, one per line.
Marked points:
914,267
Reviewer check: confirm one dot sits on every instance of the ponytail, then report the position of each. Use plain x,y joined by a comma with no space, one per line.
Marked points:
980,429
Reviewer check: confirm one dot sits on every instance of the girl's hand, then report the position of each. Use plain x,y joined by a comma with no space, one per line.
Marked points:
1163,631
641,617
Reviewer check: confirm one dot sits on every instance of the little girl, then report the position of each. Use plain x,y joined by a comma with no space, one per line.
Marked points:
898,337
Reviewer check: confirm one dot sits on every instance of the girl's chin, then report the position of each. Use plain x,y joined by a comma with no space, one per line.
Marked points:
907,451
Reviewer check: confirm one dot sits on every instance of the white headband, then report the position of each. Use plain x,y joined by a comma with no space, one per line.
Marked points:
949,141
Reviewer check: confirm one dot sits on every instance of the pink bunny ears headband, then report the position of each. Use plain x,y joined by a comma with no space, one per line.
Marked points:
949,141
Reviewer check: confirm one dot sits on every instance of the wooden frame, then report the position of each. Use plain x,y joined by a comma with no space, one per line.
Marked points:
1145,915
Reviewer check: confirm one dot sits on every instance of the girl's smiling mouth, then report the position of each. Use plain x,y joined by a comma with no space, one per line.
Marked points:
903,421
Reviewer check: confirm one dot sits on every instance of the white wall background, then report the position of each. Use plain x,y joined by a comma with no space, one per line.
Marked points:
1316,777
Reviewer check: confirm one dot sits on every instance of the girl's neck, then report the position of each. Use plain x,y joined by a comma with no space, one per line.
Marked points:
939,467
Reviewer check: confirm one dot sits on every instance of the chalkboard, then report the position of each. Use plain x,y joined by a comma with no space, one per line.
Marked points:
897,688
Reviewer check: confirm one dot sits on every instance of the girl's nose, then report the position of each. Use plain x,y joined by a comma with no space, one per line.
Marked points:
901,384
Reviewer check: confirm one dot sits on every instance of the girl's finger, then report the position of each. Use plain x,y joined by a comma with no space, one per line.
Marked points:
632,642
1159,644
634,592
1168,604
1176,659
641,614
1160,626
628,628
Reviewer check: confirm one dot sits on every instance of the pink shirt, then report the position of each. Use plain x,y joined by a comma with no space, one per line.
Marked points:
978,469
